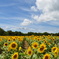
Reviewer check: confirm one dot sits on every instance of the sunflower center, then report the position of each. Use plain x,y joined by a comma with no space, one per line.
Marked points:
6,44
54,49
15,56
46,57
35,45
41,48
13,45
29,52
8,40
14,39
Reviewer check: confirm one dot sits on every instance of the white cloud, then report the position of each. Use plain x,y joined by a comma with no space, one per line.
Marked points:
47,5
33,8
50,9
26,22
47,17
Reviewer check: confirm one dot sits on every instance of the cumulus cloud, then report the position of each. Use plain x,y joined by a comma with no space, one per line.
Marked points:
47,17
49,8
26,22
47,5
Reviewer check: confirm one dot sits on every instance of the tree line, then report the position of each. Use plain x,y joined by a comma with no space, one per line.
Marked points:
18,33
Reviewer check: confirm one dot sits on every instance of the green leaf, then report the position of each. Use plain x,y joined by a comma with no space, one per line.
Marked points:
35,56
22,54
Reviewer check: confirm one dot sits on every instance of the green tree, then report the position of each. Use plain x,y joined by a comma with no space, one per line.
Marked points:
2,32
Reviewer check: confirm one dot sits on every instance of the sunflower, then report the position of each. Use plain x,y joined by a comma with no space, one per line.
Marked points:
54,49
0,40
42,48
14,39
15,55
20,39
13,45
6,44
55,53
29,51
35,45
46,56
9,39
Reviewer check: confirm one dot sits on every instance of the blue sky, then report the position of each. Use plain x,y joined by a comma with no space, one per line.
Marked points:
29,15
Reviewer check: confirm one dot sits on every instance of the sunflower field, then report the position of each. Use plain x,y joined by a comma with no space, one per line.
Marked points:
29,47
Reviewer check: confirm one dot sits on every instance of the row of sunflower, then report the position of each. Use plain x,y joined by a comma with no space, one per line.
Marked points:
29,47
